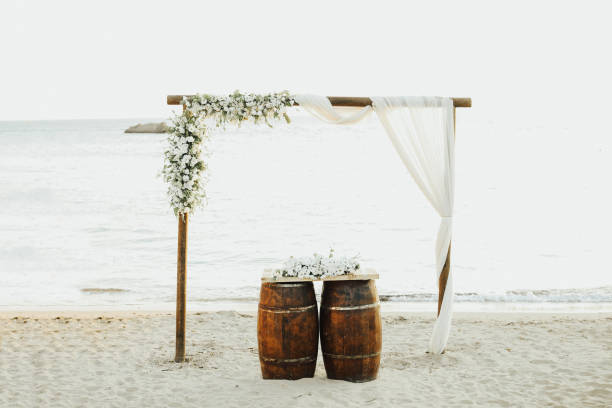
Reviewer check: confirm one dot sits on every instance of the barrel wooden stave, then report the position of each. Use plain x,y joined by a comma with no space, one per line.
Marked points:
351,330
287,330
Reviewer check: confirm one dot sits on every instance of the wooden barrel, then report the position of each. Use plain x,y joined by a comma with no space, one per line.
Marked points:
287,330
351,330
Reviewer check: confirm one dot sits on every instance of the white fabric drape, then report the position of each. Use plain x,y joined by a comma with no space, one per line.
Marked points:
422,131
322,108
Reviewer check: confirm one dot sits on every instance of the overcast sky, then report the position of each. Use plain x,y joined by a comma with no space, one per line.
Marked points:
119,59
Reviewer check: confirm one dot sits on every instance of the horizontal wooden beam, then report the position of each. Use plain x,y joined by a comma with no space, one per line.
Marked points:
355,101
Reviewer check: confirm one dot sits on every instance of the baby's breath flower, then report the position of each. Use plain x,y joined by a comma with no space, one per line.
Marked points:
317,266
184,169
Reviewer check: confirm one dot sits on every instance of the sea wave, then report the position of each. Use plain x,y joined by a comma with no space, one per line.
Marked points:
103,290
591,295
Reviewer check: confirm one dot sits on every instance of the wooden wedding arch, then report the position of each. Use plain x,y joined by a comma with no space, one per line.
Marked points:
183,222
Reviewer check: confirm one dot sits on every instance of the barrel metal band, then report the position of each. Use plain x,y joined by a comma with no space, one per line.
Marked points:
290,285
347,357
370,306
300,360
270,309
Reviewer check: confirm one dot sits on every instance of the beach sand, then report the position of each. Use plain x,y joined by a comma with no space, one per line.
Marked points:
123,359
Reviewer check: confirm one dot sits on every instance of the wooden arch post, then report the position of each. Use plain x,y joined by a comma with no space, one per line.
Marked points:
181,260
181,286
446,268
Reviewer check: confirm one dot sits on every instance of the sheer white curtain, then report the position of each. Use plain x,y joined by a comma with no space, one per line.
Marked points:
422,132
322,108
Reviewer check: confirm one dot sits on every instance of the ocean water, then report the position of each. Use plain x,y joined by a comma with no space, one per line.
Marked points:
84,220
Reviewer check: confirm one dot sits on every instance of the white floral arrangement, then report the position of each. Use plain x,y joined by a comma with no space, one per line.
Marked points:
318,266
184,168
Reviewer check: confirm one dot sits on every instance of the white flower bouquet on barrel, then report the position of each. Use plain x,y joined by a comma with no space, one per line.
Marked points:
317,266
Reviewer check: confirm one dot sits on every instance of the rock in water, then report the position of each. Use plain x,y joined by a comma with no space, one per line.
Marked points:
148,128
